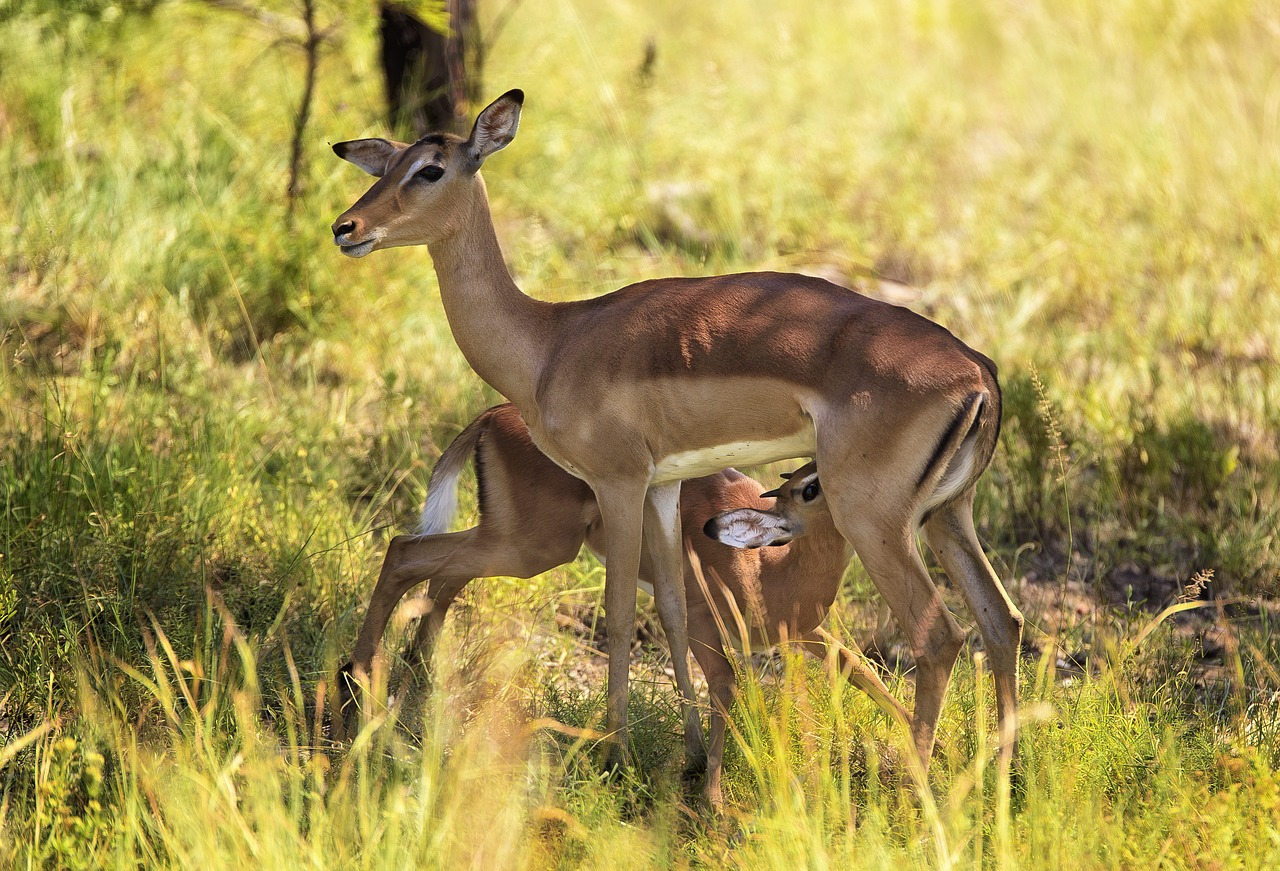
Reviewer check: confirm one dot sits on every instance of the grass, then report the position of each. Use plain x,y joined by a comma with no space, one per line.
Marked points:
210,423
491,776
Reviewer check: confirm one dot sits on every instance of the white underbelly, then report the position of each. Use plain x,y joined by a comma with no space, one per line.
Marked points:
706,461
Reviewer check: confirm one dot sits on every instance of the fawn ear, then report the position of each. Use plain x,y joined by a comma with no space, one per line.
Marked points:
495,127
371,155
747,527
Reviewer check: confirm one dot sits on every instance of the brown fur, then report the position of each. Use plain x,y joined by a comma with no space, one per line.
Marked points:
536,516
628,391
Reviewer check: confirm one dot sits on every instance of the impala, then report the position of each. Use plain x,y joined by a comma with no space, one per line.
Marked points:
535,516
664,380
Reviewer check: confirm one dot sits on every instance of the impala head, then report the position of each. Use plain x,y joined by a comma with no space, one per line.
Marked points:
799,505
425,190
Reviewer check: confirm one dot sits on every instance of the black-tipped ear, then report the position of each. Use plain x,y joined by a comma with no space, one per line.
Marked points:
371,155
786,476
495,127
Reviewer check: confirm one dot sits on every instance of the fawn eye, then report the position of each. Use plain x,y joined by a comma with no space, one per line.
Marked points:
431,173
811,491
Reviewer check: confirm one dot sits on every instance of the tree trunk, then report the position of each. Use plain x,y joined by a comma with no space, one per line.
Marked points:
311,45
426,71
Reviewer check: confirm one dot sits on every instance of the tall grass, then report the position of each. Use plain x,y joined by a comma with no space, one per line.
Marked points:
198,775
209,423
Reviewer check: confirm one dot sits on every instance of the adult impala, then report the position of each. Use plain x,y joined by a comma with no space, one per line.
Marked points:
534,516
670,379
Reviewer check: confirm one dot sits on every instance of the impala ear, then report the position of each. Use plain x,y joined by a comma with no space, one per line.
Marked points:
371,155
747,527
495,127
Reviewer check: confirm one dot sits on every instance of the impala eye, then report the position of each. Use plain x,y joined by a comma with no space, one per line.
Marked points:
811,491
431,173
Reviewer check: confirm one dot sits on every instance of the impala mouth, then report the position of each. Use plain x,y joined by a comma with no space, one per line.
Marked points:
354,249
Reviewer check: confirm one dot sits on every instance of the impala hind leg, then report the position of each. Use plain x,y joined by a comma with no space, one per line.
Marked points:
876,517
479,552
410,560
953,540
932,634
662,547
441,594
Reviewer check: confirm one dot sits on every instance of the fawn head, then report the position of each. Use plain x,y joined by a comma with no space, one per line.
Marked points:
799,503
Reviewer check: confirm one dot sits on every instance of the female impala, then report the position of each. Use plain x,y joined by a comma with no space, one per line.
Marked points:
535,516
665,380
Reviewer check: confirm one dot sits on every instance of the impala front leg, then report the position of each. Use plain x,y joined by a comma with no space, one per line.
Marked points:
622,512
662,542
708,649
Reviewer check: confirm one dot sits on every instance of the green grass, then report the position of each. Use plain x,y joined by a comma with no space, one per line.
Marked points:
210,423
488,776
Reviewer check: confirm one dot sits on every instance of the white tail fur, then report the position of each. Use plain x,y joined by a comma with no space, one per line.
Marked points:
442,490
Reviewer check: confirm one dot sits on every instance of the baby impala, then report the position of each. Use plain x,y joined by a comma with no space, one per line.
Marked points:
534,516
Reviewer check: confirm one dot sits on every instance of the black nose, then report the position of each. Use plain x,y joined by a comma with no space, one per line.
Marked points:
710,528
343,228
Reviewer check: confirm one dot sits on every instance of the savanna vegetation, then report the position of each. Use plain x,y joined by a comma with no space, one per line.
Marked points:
210,423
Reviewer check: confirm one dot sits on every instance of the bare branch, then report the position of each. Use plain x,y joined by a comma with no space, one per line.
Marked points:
286,27
500,22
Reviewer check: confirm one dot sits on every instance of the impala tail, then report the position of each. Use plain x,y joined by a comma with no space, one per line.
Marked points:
442,490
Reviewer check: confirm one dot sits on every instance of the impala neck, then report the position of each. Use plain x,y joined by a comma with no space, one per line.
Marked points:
822,544
501,332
